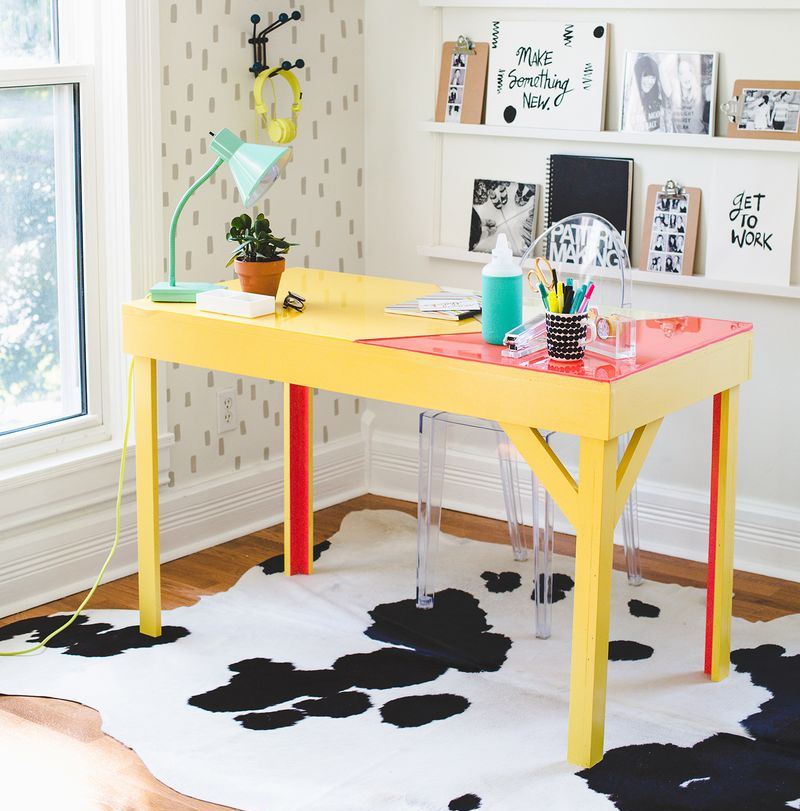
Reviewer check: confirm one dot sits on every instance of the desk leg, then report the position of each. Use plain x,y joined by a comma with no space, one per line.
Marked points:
298,493
722,516
590,626
147,496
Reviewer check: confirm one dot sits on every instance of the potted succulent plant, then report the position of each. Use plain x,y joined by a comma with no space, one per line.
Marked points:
259,259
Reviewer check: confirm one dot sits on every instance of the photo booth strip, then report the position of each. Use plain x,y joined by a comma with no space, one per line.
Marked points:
692,218
474,84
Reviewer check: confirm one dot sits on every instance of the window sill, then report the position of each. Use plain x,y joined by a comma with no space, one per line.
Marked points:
59,484
45,442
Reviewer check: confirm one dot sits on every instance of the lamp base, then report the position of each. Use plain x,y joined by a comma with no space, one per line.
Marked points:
181,291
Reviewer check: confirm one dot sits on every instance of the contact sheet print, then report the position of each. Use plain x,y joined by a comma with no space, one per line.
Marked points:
670,232
462,82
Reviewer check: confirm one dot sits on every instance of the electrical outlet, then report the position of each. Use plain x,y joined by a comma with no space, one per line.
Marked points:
226,410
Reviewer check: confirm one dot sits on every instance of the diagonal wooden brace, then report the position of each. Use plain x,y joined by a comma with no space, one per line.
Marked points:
559,482
631,463
548,468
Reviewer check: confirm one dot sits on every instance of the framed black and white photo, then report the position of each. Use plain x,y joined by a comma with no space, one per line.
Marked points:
670,229
669,91
502,206
764,109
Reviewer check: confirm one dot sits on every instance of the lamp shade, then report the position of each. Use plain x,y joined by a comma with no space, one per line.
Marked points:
255,167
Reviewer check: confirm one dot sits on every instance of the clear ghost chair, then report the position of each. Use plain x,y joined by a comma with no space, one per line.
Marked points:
576,245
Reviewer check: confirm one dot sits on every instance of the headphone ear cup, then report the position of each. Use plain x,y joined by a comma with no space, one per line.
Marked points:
281,130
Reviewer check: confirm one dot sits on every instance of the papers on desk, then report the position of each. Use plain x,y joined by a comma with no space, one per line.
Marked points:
450,305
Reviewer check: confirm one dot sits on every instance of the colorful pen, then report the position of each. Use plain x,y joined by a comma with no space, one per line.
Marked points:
569,295
543,294
585,302
576,303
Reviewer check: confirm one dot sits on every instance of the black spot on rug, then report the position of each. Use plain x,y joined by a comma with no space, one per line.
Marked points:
466,802
90,639
778,719
723,771
502,582
425,645
265,721
640,609
274,565
455,632
624,650
562,583
341,705
416,711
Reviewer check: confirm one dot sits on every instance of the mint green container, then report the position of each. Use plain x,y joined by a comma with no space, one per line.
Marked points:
502,294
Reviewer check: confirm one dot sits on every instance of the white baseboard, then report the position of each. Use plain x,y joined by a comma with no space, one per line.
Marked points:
57,560
672,521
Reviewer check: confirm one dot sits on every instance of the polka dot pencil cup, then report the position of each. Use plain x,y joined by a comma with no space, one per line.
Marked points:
566,335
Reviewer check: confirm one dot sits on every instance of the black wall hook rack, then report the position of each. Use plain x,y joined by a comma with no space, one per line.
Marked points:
260,39
299,63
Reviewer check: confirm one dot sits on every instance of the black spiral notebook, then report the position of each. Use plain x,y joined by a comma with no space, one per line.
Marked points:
578,183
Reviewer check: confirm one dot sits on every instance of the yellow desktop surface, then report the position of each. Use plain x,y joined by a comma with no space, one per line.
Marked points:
338,305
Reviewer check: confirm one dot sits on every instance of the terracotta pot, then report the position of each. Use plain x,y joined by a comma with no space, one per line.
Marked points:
260,277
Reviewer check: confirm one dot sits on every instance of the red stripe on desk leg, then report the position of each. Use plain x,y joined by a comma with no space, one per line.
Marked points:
299,426
712,529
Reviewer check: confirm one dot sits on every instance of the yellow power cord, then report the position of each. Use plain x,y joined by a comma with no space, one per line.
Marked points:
116,533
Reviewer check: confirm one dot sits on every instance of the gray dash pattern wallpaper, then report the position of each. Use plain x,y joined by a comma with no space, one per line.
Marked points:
319,204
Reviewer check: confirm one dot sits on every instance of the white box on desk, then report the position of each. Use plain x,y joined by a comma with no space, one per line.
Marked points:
234,302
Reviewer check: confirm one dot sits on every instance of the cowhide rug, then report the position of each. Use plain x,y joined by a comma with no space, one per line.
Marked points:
333,692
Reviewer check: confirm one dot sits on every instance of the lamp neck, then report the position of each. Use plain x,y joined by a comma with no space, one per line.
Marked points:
173,226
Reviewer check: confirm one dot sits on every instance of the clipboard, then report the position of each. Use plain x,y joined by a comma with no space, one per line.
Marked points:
462,82
685,227
734,108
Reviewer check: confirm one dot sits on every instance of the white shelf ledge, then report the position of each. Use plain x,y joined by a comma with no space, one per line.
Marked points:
639,277
612,137
638,5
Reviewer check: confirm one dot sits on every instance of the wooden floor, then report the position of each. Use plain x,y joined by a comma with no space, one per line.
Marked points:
60,758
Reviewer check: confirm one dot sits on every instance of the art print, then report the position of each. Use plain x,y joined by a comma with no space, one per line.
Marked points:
547,74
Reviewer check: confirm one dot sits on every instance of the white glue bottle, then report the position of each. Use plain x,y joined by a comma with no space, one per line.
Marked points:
502,294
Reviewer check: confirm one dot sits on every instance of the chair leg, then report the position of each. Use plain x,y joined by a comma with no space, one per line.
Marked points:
543,539
508,475
432,450
630,526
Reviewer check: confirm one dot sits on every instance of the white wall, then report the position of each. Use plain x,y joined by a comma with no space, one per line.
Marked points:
318,204
403,166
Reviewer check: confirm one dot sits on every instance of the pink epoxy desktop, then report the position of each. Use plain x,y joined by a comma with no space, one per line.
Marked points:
657,341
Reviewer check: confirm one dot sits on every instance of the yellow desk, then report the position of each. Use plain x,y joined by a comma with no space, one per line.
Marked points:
344,342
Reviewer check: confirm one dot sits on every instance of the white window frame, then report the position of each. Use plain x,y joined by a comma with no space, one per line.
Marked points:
110,48
44,439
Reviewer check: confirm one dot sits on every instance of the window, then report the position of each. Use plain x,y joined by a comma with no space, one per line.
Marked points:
43,346
80,173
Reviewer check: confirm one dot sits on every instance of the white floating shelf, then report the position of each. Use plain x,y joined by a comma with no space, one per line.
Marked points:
630,5
611,137
639,277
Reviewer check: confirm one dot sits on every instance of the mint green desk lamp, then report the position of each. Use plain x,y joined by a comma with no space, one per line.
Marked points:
255,168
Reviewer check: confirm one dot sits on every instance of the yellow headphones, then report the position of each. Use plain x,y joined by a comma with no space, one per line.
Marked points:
279,130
